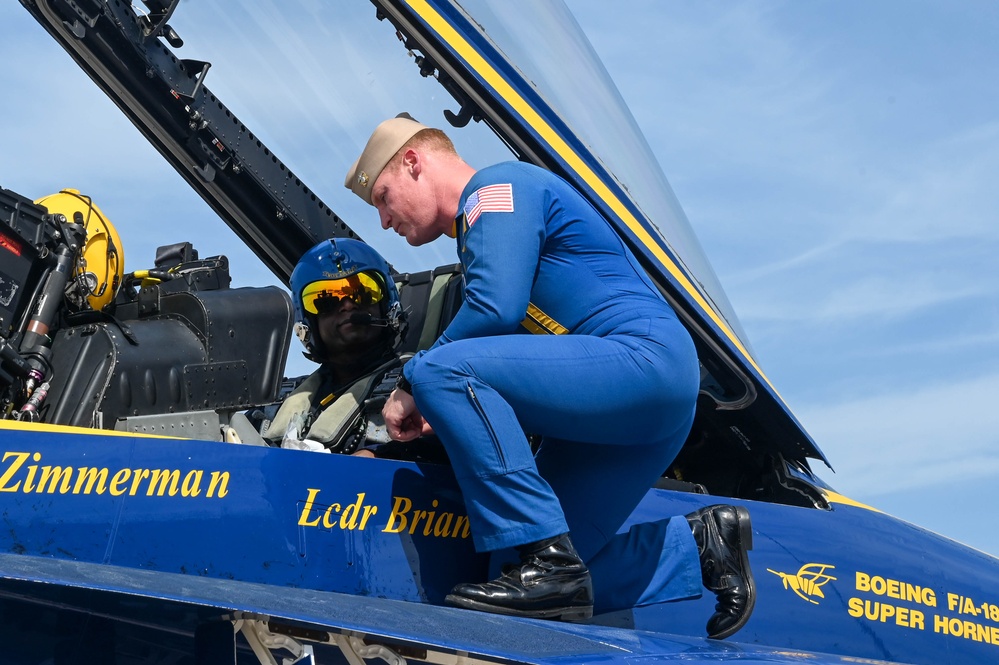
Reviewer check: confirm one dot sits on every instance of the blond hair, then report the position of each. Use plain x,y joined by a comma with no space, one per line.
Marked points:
426,140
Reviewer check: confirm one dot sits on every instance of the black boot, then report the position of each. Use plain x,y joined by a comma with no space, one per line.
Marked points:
724,534
551,582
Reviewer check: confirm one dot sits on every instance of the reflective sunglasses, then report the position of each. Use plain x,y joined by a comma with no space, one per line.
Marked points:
325,295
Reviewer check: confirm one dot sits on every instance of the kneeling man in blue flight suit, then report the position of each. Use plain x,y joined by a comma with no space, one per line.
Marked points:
608,379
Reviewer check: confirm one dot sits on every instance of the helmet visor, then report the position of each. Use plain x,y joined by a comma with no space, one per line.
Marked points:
325,295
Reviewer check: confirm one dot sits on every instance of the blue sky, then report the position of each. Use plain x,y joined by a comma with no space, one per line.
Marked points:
835,159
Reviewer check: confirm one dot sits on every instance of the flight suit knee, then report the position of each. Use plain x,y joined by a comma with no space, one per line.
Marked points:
440,364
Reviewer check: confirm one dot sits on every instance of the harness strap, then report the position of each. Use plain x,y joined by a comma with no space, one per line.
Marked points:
337,418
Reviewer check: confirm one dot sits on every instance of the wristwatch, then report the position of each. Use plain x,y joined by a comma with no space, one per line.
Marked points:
402,384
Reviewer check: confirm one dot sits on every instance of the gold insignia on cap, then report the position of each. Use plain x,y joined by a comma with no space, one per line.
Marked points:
385,142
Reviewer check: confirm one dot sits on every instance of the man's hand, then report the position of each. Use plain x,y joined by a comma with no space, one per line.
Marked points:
402,419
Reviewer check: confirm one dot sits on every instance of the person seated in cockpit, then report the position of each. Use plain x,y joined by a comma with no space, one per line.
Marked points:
349,318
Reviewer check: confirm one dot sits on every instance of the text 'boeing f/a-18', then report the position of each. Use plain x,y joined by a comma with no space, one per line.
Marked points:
141,528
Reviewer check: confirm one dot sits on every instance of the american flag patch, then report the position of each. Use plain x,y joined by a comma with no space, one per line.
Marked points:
491,198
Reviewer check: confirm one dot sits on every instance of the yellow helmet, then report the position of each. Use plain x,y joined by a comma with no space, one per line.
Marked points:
101,264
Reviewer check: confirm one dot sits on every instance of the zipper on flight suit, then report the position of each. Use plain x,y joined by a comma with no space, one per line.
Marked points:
489,426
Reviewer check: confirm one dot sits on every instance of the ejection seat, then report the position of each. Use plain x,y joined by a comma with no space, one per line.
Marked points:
430,299
177,354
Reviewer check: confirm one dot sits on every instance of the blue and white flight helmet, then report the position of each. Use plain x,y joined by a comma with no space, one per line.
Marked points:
337,258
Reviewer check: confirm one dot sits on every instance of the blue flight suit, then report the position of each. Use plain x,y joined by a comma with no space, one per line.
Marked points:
609,379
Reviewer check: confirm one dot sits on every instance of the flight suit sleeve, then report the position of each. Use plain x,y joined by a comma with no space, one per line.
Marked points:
500,252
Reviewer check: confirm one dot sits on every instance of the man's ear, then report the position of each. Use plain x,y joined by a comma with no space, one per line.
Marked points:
412,162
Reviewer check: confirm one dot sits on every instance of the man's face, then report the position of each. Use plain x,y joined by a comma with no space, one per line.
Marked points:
405,202
343,338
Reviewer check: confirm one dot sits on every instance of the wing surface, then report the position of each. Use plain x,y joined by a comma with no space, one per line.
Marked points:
182,605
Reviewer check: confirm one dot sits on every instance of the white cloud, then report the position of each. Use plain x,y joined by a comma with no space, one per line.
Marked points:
815,302
909,438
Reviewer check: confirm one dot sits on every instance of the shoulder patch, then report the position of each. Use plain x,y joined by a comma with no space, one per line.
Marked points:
491,198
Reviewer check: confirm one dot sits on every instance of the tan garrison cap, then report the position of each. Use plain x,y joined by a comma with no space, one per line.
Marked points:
385,141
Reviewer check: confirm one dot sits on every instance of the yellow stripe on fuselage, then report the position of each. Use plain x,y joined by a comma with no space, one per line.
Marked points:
502,88
835,497
69,429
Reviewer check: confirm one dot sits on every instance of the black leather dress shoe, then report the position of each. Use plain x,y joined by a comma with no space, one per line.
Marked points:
551,582
724,535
